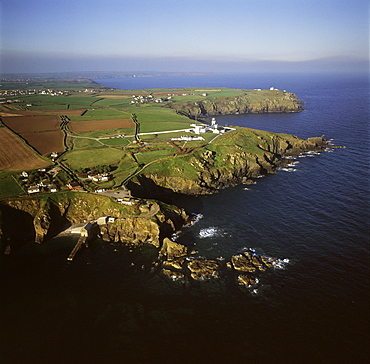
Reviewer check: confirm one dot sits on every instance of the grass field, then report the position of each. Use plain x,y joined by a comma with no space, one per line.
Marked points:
93,157
83,143
105,113
116,141
9,186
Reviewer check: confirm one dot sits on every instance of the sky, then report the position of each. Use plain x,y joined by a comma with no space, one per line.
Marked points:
183,35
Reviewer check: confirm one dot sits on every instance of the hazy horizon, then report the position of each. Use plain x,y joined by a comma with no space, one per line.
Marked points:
189,36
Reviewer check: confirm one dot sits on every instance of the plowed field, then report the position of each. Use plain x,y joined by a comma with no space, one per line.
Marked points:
45,142
24,124
15,155
96,125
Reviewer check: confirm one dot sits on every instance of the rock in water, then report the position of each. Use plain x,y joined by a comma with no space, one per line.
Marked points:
174,253
242,263
246,280
203,269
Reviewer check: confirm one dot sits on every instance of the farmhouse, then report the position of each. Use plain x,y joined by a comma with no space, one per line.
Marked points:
73,186
33,189
99,177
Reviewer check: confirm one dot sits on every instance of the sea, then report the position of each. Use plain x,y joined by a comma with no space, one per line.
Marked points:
108,306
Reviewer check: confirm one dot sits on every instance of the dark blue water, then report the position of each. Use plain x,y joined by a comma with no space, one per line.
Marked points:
101,310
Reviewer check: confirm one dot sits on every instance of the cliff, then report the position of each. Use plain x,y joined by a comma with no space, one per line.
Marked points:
232,158
40,218
251,101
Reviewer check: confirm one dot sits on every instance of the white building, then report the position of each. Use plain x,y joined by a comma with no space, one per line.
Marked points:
202,128
188,138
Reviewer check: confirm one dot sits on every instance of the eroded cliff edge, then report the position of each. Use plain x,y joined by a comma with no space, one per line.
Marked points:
230,159
40,218
250,102
233,158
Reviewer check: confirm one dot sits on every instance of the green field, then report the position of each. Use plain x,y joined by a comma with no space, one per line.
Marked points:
157,153
93,157
9,186
101,114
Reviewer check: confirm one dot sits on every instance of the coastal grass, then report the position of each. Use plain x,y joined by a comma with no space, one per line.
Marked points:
121,142
9,186
82,143
101,114
92,157
105,133
150,156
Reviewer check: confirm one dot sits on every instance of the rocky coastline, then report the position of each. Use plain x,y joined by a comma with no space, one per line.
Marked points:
216,167
237,158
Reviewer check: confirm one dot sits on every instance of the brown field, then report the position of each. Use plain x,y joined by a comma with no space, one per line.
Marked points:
45,142
24,124
15,155
3,114
96,125
22,112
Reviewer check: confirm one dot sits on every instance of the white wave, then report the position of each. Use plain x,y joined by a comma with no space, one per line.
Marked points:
210,232
196,218
280,263
287,169
292,164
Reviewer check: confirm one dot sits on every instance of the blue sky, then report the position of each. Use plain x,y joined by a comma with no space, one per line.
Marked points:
183,35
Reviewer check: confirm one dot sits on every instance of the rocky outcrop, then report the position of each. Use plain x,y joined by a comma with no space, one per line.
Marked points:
251,262
203,269
173,254
38,219
233,158
250,102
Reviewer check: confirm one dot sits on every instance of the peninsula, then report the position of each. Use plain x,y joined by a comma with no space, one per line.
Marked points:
75,151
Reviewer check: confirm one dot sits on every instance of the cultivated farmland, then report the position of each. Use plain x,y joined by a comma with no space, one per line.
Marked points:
45,142
15,155
24,124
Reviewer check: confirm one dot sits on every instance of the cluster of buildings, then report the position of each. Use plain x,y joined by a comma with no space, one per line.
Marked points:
214,128
33,92
100,177
148,98
43,185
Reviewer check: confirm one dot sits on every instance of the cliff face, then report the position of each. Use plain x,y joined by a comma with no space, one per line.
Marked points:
231,159
138,230
38,219
266,102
